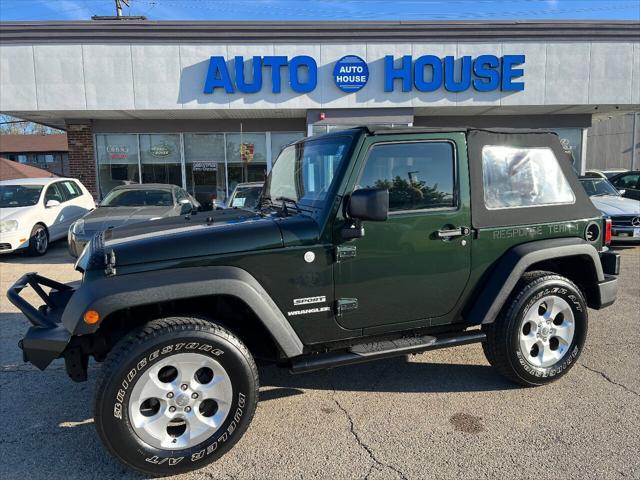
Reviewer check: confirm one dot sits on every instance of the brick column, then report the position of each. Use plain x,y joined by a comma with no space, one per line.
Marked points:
82,164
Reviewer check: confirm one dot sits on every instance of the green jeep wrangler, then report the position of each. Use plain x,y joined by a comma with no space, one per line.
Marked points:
366,244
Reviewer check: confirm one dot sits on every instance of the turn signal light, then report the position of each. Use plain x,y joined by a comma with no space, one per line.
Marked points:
607,231
91,317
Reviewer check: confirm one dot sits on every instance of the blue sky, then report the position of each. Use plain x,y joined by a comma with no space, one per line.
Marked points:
326,9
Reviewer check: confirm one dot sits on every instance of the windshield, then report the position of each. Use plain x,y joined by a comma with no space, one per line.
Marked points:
305,171
246,197
19,195
138,198
598,186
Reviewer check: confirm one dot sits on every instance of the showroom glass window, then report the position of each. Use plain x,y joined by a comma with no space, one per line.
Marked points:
117,161
419,175
246,158
281,139
160,159
204,167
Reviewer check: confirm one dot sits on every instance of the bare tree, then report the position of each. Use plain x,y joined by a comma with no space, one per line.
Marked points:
12,125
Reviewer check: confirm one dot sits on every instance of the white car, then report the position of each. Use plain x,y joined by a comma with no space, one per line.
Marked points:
37,211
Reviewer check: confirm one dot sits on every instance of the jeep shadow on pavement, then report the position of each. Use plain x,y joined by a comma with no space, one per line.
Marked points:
366,244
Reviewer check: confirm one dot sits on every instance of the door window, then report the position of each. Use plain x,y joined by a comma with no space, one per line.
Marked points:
419,175
627,181
53,193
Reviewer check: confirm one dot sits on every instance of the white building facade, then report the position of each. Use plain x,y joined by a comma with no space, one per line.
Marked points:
209,105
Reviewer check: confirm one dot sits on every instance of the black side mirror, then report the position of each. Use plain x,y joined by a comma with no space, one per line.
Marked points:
369,204
365,204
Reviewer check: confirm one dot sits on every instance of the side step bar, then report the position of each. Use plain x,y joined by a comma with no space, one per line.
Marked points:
380,350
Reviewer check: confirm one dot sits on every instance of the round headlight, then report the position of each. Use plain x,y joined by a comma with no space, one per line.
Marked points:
78,227
7,226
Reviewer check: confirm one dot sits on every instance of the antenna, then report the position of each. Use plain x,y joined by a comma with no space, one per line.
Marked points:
119,6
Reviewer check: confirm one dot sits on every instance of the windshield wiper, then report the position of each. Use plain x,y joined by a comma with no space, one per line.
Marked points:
286,200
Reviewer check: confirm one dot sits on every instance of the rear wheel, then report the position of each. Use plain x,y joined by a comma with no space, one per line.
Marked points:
175,396
38,241
541,331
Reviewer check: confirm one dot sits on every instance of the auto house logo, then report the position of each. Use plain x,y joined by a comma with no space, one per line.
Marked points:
635,222
160,150
350,73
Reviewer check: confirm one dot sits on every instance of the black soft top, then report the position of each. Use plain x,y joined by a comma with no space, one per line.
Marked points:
477,139
482,217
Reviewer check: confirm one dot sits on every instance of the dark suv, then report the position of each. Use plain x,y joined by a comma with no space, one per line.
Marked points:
366,244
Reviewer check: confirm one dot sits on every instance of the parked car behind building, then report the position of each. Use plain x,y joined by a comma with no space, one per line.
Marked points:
129,204
37,211
624,212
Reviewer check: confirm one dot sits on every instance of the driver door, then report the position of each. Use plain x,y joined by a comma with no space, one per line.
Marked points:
55,217
403,271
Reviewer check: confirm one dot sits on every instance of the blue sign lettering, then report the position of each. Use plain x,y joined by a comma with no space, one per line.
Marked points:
419,71
427,73
218,74
485,69
430,73
403,73
298,85
350,73
509,73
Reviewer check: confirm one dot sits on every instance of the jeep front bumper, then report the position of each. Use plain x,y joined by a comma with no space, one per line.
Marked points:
47,338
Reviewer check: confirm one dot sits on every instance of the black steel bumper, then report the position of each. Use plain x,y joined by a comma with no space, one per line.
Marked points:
608,288
47,339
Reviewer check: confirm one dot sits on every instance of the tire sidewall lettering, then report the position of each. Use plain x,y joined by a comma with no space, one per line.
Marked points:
150,358
576,303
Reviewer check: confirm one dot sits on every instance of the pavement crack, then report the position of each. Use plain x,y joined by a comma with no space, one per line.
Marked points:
608,379
364,446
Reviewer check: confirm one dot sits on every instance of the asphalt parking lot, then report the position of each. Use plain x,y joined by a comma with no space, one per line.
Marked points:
443,414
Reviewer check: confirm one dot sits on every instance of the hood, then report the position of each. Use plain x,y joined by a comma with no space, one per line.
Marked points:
14,213
204,234
613,205
107,217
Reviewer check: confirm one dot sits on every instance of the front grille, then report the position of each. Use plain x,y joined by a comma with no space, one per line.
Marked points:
623,220
5,246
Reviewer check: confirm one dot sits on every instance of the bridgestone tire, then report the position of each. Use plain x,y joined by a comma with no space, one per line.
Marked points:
503,347
132,361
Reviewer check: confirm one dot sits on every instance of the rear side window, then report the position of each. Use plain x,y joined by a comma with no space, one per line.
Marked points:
419,175
523,177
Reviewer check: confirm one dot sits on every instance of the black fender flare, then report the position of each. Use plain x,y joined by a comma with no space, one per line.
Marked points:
514,263
110,294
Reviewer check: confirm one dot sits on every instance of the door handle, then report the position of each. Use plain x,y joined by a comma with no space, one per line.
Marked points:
447,234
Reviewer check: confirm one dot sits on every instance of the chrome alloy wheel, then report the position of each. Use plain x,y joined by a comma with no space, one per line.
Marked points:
181,401
546,331
41,240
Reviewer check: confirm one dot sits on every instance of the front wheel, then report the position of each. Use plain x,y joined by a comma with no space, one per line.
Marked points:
38,241
541,331
175,396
